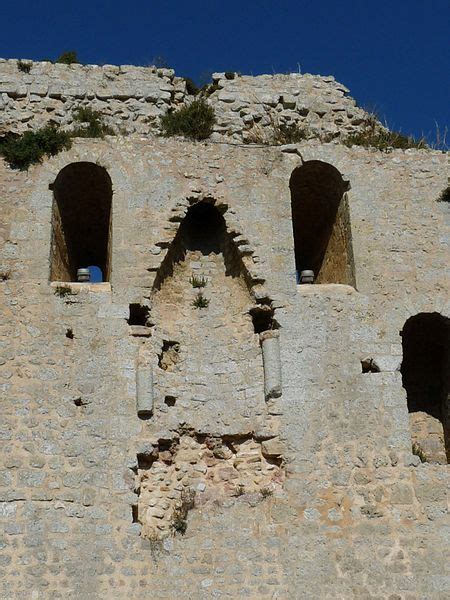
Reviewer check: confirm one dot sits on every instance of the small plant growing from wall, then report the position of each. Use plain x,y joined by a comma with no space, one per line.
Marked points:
444,196
91,124
67,58
200,301
194,121
191,88
209,88
179,517
290,133
417,451
374,136
240,490
64,290
266,492
198,281
24,67
29,148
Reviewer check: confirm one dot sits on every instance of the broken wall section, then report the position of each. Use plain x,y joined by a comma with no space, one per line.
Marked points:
175,475
210,367
132,99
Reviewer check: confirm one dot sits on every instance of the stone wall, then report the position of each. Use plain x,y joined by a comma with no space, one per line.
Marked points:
132,99
314,493
249,108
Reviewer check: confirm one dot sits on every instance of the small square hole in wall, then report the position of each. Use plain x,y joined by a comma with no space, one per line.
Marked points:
135,513
262,318
368,365
170,400
138,315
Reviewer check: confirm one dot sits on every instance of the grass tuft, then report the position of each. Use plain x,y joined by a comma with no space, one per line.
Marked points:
200,301
198,282
289,133
64,290
191,88
67,58
23,66
92,124
373,136
179,517
266,492
194,121
417,451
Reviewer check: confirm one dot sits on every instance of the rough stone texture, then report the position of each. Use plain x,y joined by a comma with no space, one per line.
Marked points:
208,469
248,107
351,514
427,433
132,99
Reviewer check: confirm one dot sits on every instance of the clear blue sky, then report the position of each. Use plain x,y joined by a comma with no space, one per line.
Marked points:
392,54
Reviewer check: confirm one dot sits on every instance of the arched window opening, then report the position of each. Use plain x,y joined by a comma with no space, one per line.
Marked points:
81,223
425,374
321,223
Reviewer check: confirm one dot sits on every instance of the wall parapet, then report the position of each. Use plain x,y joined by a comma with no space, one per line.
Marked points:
132,99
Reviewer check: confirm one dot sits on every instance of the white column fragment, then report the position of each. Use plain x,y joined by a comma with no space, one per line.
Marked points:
144,390
270,345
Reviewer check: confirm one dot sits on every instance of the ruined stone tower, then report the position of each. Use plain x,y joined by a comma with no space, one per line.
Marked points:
201,423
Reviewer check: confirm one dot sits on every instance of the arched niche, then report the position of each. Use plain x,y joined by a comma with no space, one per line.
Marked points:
203,231
81,221
321,223
210,355
426,378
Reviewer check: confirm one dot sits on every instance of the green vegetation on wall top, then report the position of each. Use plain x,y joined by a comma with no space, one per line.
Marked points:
194,121
21,151
93,124
67,58
374,136
24,150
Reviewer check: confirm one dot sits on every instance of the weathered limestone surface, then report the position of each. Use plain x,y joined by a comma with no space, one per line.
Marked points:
249,107
350,512
132,99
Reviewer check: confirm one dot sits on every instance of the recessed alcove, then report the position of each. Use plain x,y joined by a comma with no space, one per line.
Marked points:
81,222
211,354
425,374
321,223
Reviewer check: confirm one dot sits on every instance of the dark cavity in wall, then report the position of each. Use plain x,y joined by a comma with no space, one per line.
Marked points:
426,368
169,355
81,221
134,513
321,223
69,334
204,229
262,318
139,314
170,400
368,365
